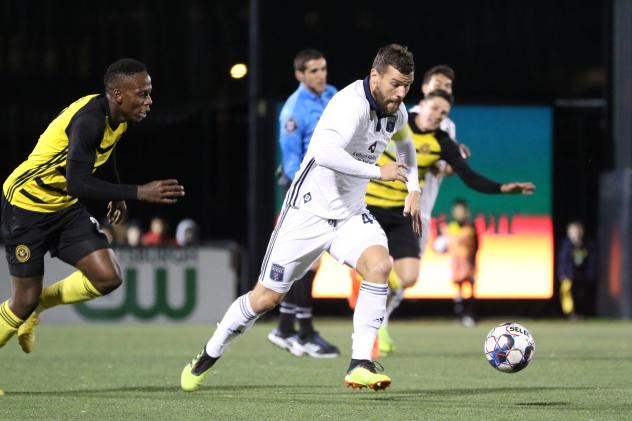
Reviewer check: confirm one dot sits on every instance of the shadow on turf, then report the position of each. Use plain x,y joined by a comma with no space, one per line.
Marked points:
416,394
163,389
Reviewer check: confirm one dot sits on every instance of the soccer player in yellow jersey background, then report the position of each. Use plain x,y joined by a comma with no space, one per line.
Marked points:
385,200
41,211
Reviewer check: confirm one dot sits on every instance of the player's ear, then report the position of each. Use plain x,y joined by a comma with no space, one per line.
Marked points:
118,95
299,75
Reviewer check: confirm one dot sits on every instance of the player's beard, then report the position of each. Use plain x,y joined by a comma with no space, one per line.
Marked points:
381,100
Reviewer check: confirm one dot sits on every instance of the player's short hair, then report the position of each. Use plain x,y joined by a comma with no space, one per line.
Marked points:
394,55
459,201
440,69
303,56
122,67
440,93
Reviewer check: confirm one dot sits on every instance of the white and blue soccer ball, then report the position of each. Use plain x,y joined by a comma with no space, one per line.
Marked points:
509,347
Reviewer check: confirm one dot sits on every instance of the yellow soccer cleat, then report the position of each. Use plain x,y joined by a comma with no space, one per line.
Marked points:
195,372
1,392
26,333
365,375
384,341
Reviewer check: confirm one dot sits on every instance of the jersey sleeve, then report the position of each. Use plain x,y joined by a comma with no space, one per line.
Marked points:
334,131
451,154
84,136
291,141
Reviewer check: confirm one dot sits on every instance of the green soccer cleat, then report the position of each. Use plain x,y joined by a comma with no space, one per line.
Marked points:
384,341
365,375
196,371
26,333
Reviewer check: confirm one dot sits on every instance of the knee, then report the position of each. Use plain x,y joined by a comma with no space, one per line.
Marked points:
107,281
378,270
26,298
265,300
408,281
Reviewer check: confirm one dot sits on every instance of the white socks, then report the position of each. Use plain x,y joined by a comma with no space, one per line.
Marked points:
395,298
238,318
367,318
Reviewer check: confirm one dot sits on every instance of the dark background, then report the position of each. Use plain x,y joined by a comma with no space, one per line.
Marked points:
53,52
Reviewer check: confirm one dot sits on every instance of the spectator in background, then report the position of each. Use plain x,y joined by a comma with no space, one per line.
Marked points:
577,270
187,233
157,235
133,234
460,240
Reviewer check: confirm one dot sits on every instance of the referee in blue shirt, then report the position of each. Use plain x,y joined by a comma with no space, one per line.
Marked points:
298,119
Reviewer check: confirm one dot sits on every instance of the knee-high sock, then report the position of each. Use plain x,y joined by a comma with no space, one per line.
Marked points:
72,289
367,318
9,323
238,318
304,304
395,298
287,313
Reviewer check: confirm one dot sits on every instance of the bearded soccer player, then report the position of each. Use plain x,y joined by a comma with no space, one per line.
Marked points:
324,210
40,201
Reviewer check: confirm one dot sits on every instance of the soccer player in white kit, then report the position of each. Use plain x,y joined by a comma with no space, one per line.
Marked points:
324,210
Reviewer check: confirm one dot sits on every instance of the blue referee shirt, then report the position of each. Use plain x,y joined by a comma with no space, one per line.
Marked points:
297,122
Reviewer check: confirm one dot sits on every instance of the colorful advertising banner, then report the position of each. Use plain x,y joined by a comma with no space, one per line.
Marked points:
515,233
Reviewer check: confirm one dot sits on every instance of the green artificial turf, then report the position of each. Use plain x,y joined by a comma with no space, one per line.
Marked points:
580,371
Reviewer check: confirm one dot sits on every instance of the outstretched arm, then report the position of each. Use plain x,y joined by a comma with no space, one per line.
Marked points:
451,153
84,138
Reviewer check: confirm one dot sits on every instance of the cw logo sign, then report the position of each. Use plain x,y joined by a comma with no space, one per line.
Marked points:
161,305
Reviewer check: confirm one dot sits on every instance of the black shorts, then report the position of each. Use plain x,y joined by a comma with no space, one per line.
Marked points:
402,240
69,234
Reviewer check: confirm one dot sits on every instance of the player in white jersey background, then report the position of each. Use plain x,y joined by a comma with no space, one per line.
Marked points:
324,210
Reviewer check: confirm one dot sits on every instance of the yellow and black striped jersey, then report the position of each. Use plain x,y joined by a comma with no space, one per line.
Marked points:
431,146
81,132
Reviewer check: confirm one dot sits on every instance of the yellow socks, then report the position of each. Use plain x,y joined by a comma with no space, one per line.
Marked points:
73,289
9,323
566,296
393,280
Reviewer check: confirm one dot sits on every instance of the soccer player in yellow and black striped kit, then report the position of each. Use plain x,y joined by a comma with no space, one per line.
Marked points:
40,201
385,200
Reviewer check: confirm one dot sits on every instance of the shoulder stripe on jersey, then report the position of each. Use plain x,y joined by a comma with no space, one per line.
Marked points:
273,237
30,196
296,186
33,172
49,187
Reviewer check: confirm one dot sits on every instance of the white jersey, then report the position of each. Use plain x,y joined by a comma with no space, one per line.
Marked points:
432,183
350,136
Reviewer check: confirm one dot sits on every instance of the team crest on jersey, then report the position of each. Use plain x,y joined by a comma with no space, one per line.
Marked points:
372,147
22,253
276,272
390,123
307,197
424,149
290,125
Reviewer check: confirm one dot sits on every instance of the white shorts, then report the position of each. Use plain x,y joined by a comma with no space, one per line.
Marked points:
300,238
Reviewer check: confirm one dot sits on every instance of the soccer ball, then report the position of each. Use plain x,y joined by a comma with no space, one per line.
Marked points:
509,347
